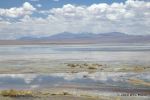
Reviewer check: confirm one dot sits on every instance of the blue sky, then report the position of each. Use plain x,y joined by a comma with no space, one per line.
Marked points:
53,3
38,18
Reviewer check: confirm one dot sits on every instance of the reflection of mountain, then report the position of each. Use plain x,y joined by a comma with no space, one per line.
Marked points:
112,37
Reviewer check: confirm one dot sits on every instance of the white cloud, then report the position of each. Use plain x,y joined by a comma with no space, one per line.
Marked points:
26,9
97,18
131,17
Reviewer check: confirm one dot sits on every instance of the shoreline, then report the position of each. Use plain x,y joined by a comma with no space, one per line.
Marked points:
40,42
78,94
75,67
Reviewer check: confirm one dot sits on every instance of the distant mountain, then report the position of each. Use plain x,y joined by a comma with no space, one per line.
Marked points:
66,37
28,38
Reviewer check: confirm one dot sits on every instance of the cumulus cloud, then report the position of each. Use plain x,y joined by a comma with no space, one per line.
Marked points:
26,9
131,17
105,18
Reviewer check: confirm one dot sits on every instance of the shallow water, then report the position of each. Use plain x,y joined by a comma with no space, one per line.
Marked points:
42,55
99,79
49,55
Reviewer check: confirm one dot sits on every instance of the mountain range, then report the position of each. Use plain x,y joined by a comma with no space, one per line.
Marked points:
92,38
66,37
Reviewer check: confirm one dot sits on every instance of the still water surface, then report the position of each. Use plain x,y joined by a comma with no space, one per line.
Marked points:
44,55
29,55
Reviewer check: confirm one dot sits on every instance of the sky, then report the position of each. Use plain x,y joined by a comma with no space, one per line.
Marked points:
39,18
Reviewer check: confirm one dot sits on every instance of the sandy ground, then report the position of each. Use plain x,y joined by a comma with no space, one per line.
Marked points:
58,94
73,98
49,98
